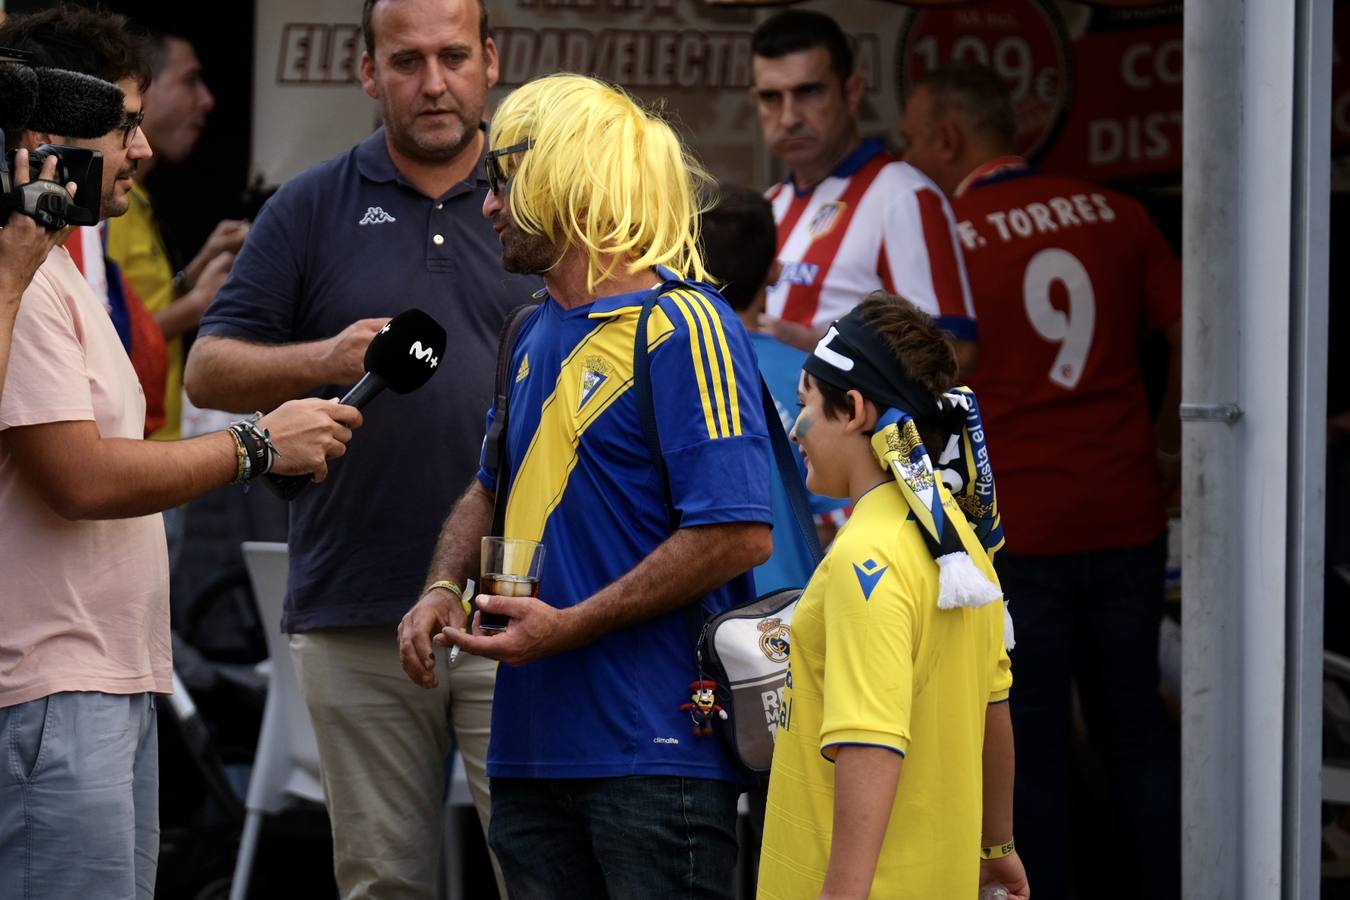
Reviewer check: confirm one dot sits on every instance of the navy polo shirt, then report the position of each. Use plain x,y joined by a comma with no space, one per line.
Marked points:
352,239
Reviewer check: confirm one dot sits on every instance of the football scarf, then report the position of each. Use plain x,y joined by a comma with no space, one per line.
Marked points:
852,357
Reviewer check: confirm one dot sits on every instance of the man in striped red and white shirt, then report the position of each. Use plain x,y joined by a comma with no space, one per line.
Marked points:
851,217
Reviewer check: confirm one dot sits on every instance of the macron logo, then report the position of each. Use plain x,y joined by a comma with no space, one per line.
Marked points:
868,576
423,353
376,216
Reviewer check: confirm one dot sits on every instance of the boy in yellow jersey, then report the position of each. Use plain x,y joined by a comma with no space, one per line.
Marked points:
892,776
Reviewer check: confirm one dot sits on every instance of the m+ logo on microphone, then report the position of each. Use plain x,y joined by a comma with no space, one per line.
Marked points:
423,353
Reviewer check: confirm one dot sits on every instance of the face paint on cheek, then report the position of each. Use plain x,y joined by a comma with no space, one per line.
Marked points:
803,426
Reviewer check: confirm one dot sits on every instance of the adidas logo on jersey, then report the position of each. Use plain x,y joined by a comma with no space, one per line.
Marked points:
524,369
376,216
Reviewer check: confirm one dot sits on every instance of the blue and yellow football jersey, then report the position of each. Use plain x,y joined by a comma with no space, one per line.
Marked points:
582,481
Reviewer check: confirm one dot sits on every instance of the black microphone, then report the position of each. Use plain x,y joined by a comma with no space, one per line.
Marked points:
58,101
18,96
402,356
73,104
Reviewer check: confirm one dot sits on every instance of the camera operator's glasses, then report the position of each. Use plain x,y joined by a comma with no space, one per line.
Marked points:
129,127
492,168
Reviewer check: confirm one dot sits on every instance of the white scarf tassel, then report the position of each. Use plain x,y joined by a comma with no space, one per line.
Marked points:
961,583
1008,640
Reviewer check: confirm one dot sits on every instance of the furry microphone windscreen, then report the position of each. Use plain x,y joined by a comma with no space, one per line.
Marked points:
72,104
18,95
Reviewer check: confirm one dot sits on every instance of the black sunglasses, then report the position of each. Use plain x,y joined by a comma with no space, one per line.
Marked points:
496,178
129,126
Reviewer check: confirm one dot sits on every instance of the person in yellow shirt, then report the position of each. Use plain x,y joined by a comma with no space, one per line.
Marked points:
892,774
176,105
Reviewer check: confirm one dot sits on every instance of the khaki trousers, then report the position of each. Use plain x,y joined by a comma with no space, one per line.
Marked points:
382,747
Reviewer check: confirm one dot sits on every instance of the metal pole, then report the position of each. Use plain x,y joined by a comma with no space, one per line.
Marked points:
1239,99
1310,251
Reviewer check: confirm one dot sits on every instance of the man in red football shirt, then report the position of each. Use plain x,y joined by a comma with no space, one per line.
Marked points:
1066,277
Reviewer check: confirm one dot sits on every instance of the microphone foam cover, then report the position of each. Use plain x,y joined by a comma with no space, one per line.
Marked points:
407,351
18,95
72,104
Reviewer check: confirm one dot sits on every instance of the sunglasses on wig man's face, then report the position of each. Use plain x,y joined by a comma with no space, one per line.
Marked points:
492,166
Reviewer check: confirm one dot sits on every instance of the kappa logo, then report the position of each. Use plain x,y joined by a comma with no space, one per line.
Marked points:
524,369
825,218
868,576
594,372
376,216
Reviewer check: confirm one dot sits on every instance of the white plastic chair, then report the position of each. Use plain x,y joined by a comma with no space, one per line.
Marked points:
287,761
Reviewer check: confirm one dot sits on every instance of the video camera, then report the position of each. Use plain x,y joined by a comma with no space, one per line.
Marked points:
55,101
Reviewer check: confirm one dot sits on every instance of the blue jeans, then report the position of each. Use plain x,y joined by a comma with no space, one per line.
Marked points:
79,798
629,838
1092,619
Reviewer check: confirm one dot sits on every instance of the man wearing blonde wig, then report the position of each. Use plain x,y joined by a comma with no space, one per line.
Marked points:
599,786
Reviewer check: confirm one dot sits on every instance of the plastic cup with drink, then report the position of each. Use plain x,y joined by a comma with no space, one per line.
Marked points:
510,568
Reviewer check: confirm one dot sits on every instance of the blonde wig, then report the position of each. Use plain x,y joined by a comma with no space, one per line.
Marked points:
603,174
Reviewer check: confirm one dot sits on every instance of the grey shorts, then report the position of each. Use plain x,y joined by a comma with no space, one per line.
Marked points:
79,798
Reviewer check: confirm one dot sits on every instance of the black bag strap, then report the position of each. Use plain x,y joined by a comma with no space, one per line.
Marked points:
785,462
642,384
494,442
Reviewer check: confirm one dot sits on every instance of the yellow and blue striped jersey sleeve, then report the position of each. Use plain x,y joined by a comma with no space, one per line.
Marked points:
706,394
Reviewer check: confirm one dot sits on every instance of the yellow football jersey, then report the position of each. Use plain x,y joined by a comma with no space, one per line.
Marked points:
874,661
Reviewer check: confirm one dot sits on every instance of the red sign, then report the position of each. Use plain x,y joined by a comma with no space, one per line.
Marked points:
1125,121
1022,40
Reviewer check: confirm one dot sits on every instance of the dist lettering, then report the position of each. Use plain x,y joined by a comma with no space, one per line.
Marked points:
1134,138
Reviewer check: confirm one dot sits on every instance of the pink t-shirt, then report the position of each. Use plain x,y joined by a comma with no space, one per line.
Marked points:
84,606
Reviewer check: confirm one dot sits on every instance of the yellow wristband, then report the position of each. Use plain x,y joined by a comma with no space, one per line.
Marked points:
454,588
998,851
451,586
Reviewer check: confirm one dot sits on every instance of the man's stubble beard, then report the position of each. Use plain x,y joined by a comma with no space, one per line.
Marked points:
527,254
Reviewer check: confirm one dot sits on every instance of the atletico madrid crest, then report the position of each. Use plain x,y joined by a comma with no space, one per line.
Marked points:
825,218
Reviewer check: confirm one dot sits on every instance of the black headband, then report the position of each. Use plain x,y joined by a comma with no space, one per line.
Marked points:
852,356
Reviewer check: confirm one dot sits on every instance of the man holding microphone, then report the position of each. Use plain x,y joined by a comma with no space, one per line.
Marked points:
84,644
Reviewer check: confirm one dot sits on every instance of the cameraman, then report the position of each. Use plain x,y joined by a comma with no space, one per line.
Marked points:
24,245
84,603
